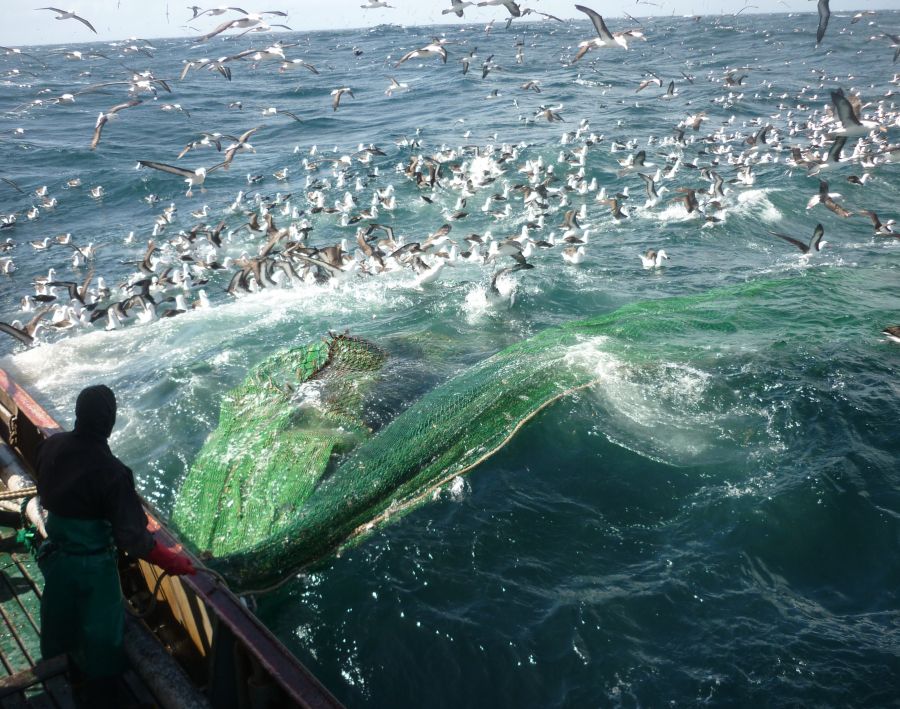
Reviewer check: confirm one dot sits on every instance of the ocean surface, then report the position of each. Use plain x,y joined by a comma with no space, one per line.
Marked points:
716,522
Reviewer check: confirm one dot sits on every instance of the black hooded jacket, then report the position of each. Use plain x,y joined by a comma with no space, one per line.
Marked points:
79,477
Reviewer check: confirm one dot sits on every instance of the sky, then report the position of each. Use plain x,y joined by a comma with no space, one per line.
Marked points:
120,19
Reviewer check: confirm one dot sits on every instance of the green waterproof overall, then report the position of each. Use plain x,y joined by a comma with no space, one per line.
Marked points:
82,611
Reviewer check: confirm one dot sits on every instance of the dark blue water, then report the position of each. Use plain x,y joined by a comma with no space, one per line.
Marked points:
715,523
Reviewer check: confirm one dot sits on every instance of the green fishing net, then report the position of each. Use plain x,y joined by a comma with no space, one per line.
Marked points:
276,434
279,487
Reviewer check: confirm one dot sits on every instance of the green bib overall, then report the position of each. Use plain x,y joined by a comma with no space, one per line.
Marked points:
82,610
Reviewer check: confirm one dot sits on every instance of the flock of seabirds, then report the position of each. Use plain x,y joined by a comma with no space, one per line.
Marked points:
267,242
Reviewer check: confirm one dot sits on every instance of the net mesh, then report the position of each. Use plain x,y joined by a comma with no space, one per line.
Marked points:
262,496
272,444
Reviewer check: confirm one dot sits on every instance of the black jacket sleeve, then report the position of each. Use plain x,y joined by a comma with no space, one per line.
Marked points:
126,514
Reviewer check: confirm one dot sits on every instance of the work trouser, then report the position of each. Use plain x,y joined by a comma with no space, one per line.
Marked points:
82,612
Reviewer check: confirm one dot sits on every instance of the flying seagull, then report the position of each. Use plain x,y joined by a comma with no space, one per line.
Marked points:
69,15
337,94
604,37
458,7
435,49
193,178
513,8
112,113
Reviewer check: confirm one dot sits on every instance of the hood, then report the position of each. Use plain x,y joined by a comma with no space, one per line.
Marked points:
95,411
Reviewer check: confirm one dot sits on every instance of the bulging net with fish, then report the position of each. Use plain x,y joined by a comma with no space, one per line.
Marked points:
273,491
276,434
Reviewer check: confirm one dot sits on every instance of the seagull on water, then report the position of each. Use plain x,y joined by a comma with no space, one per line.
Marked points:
653,258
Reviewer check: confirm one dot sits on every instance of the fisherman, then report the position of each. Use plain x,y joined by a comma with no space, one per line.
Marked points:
92,509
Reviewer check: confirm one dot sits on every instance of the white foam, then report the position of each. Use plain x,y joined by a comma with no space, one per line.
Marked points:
135,351
663,411
757,202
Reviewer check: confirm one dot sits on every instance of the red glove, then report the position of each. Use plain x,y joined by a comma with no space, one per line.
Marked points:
172,562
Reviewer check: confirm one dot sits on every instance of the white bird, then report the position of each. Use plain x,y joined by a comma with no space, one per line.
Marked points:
337,94
69,15
395,86
435,49
604,37
194,178
653,259
573,254
457,6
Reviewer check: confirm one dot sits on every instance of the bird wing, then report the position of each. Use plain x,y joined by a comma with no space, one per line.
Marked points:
85,23
13,185
824,14
221,28
81,293
443,231
98,129
876,222
834,152
406,57
21,336
790,239
167,168
844,109
32,324
127,104
513,8
599,25
836,208
288,113
246,134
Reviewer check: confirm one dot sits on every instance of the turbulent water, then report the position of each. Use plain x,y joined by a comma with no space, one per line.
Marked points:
716,522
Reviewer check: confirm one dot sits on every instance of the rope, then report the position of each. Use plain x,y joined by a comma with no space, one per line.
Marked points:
151,606
17,494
